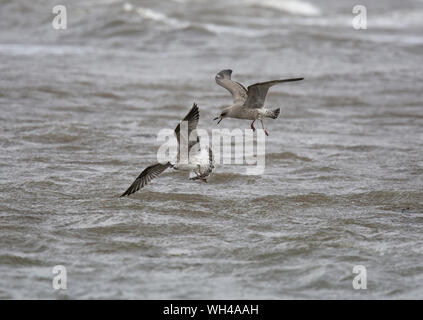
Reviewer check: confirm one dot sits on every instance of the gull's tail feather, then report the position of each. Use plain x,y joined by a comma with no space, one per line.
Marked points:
273,113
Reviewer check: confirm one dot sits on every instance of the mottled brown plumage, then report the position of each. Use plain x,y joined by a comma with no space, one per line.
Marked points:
247,103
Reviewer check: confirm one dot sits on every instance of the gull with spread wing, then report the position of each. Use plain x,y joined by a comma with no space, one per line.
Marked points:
248,103
199,161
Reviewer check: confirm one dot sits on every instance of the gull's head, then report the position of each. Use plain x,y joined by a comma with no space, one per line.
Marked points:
222,115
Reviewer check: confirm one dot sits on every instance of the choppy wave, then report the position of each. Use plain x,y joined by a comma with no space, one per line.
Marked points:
151,14
80,113
397,19
39,49
295,7
286,156
236,31
384,199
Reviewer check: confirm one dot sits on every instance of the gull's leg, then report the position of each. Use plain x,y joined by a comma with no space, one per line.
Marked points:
252,125
198,174
199,177
202,175
262,125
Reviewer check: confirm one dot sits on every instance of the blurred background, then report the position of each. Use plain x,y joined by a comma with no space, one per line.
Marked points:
80,109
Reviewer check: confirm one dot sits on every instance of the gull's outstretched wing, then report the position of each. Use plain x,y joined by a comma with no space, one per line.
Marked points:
191,119
145,177
238,91
257,92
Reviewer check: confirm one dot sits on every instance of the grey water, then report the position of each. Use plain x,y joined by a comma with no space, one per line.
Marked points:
80,109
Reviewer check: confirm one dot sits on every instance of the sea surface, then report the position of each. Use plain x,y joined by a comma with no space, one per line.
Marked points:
80,109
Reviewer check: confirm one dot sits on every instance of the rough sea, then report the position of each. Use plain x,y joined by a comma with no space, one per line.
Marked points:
80,109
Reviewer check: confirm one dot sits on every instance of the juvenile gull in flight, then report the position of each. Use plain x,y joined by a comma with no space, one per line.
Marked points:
248,103
199,161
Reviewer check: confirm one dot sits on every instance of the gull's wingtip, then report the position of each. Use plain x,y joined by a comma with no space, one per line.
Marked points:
224,74
290,80
126,193
195,111
295,79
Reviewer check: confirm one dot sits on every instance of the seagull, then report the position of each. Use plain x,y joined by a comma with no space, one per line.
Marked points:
200,162
248,103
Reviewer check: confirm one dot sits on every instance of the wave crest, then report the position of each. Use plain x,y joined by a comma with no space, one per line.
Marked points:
290,6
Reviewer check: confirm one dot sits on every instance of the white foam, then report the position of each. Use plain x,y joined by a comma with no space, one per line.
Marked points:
290,6
243,32
397,20
178,252
128,6
151,14
35,49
